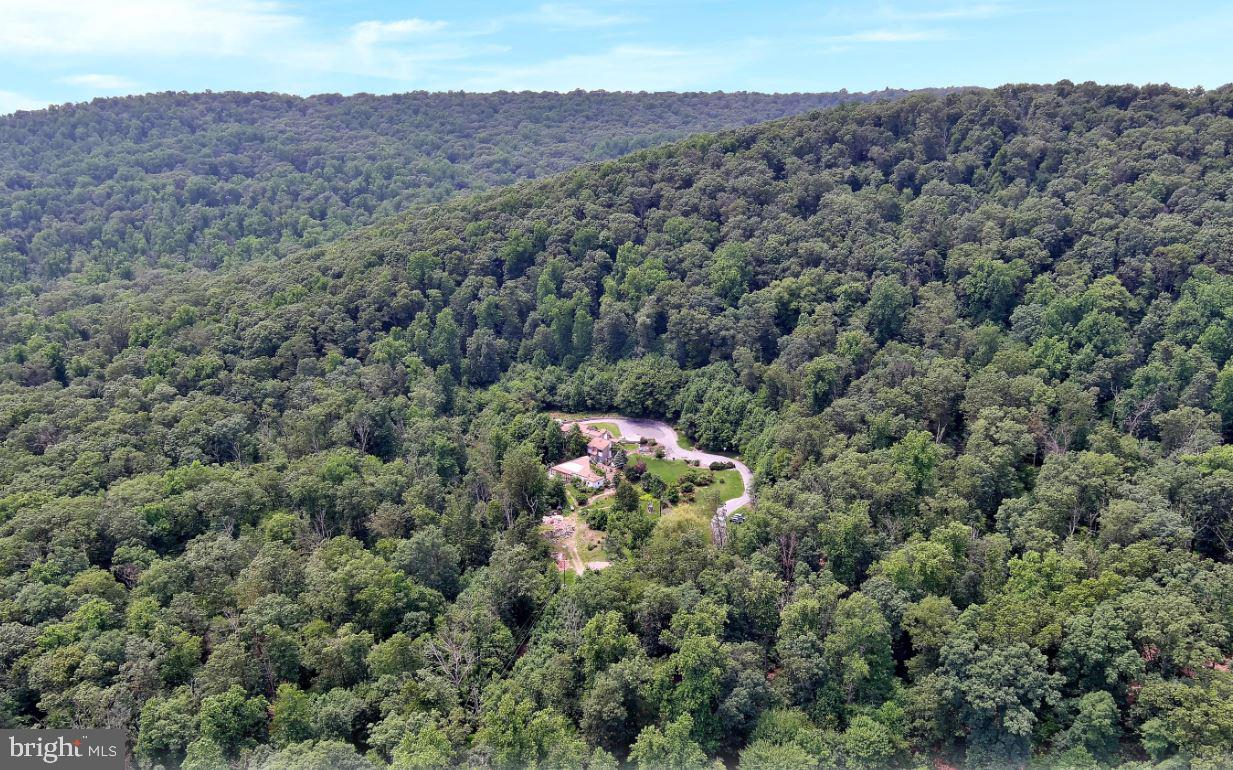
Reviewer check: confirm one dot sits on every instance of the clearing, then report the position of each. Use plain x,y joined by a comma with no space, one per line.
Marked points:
611,427
729,482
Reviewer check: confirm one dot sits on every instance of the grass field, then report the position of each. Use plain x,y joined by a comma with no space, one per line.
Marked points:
667,470
692,515
729,482
611,427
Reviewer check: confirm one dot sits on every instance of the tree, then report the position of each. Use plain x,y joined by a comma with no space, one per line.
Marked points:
1096,653
523,484
997,691
575,443
918,455
627,498
291,720
515,734
168,725
1183,718
668,749
858,651
445,345
316,754
646,386
426,749
1096,727
615,706
605,641
889,302
730,272
868,743
204,754
764,755
431,560
805,623
928,624
692,682
233,720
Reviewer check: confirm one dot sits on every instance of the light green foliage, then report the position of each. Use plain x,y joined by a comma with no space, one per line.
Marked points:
517,735
975,346
233,719
668,749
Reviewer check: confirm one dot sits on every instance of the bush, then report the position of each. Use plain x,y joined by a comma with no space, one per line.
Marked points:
596,517
635,470
654,485
722,465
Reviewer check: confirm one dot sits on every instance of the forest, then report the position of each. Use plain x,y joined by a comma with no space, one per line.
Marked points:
117,185
976,347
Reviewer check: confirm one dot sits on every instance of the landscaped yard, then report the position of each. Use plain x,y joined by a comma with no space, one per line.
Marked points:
695,515
728,482
611,427
668,471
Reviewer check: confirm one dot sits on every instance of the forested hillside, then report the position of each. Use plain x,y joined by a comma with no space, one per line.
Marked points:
115,185
976,348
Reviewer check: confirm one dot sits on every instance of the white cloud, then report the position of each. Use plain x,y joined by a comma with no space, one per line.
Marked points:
963,11
888,36
265,32
11,101
140,27
621,68
99,82
567,16
399,51
369,33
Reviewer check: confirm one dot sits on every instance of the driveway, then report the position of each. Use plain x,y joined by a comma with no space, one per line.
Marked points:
667,438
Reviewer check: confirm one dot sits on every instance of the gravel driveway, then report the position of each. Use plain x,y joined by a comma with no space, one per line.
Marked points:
666,437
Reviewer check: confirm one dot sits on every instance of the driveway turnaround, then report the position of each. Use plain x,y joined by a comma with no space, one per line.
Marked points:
666,437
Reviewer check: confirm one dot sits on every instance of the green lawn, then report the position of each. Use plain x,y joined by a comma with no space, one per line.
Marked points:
611,427
667,470
685,515
729,482
589,551
691,514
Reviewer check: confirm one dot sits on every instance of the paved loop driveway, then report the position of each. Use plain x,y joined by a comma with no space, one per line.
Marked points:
666,436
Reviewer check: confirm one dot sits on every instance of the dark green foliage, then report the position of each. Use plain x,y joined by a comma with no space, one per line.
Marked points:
975,348
117,185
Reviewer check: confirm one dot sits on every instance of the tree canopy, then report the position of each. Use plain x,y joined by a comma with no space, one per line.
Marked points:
975,347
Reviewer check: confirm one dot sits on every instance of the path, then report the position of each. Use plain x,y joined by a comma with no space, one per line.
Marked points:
572,552
666,436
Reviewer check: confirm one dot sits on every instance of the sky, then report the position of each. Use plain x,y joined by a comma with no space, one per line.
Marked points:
58,51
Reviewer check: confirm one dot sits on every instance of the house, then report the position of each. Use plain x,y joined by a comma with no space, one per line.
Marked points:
578,469
599,449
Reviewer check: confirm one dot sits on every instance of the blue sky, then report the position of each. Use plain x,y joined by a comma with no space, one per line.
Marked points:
55,51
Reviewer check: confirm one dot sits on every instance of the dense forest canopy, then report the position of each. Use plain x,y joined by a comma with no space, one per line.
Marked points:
976,347
119,184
